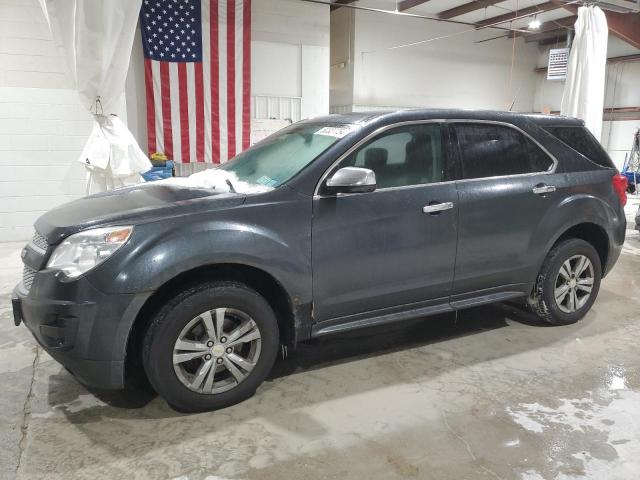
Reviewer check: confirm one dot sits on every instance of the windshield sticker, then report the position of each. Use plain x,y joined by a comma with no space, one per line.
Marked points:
337,132
266,181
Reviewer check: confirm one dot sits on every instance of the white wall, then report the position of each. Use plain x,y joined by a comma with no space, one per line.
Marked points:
448,72
43,127
621,90
290,58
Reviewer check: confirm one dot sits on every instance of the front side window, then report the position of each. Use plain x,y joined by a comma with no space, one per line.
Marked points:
407,155
490,150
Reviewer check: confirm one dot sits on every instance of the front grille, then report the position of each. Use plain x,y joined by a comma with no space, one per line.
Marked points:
27,276
39,241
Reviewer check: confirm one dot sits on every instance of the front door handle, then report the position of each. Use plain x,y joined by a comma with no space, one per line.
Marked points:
543,189
437,207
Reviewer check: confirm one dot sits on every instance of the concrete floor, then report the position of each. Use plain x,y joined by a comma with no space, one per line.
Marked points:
492,395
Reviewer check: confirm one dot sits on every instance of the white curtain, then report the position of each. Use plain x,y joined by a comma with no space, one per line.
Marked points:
583,95
97,36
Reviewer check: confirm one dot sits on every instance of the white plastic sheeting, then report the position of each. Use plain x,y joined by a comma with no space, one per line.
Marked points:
97,36
112,156
584,89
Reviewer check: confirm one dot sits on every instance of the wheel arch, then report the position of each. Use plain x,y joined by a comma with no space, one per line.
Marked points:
261,281
591,233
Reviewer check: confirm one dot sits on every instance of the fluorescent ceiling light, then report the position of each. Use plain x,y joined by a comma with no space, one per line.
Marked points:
534,24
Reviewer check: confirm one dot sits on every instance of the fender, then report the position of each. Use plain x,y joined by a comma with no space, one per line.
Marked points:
574,210
164,250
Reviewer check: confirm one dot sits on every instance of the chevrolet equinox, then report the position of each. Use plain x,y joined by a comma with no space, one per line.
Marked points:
330,224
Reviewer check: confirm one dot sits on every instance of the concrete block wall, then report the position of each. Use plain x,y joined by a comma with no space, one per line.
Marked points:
43,126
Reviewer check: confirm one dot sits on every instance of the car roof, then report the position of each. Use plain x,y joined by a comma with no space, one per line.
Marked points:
395,116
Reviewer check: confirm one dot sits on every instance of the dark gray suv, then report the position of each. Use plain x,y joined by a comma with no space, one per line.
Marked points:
329,225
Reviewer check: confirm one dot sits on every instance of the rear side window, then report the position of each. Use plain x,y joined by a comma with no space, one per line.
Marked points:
581,140
490,150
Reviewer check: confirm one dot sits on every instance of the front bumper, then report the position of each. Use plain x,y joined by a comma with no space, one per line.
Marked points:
80,327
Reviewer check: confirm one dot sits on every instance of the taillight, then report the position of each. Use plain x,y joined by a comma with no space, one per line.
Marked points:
620,186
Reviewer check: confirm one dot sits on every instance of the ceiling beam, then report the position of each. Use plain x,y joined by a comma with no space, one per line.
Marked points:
625,26
407,4
467,8
564,23
338,3
507,17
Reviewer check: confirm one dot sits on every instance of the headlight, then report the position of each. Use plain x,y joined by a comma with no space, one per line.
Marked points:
83,251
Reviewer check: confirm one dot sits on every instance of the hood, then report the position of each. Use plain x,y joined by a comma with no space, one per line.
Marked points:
131,205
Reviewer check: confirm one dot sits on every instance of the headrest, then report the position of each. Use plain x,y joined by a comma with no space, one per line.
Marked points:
375,158
418,141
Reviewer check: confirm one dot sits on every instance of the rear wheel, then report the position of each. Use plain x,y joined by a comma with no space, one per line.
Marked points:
211,346
568,282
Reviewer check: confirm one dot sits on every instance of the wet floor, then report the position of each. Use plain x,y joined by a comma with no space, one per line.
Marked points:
490,394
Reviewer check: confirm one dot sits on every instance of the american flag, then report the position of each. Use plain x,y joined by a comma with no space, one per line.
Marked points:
197,77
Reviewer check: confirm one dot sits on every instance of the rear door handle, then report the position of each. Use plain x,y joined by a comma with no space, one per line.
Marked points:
543,189
437,207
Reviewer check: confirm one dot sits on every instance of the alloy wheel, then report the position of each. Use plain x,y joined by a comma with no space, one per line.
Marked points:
574,283
216,350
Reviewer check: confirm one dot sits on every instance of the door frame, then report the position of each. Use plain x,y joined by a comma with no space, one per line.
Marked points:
451,144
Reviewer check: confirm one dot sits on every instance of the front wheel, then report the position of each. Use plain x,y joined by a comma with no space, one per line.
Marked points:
211,346
568,283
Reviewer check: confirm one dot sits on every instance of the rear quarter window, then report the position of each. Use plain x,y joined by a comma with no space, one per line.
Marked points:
582,141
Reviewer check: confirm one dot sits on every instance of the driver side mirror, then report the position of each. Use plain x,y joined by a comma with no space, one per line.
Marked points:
351,180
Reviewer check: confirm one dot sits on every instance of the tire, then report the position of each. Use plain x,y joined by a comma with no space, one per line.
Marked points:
550,281
184,317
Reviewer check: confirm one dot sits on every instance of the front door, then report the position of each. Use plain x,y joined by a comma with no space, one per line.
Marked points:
396,245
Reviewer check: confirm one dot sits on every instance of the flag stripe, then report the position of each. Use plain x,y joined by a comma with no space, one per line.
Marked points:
246,75
157,94
223,100
197,77
199,117
183,105
174,102
151,112
191,107
206,80
165,86
215,85
239,54
231,78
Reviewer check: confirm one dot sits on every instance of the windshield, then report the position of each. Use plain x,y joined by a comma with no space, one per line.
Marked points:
282,155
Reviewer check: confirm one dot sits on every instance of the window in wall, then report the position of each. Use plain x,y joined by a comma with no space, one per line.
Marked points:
408,155
490,150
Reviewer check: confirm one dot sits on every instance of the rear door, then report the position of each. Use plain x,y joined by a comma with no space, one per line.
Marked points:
381,249
505,190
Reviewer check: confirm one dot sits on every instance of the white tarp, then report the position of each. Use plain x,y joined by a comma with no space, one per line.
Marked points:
112,156
97,36
583,95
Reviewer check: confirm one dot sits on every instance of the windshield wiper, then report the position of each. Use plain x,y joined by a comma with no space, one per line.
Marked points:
233,190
